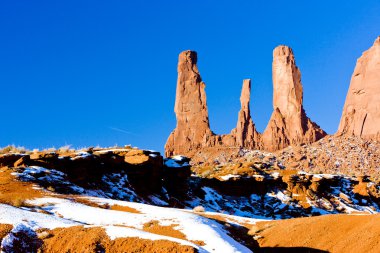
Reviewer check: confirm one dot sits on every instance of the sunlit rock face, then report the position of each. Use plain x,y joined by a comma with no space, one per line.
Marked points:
289,124
361,112
190,108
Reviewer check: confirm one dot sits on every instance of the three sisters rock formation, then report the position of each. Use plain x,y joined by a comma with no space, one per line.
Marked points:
289,124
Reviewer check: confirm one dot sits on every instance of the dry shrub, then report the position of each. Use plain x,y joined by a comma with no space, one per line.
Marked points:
199,209
17,201
13,149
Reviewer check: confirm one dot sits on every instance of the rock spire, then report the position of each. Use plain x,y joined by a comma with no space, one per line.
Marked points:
361,112
190,108
245,133
289,124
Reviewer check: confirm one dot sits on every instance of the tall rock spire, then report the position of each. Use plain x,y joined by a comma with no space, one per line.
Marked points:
289,124
190,108
245,132
361,112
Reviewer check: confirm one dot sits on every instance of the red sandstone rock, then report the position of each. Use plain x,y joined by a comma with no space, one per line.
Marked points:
289,124
193,127
245,134
361,112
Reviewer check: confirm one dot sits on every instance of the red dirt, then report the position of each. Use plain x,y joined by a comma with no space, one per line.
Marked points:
332,233
80,239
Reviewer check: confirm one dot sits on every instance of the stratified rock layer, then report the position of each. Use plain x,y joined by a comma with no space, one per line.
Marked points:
361,112
289,124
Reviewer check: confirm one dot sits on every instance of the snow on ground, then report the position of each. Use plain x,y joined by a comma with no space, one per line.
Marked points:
12,215
177,161
195,227
227,177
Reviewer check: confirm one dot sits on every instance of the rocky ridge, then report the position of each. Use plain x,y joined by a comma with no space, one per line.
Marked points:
260,186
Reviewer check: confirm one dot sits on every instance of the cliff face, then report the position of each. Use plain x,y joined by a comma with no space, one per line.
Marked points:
289,124
361,112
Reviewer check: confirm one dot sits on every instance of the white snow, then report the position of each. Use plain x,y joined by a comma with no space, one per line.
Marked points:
195,227
176,161
275,175
7,242
117,232
12,215
227,177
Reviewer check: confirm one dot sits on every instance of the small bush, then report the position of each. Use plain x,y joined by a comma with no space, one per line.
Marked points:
50,188
199,209
64,149
17,201
13,149
206,173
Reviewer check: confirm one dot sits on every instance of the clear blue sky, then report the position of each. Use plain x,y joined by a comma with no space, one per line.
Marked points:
92,73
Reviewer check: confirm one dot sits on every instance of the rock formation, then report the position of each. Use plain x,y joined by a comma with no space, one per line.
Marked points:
193,129
289,124
361,112
190,108
245,134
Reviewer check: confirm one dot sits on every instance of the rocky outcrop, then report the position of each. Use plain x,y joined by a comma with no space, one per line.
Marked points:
193,128
289,124
361,112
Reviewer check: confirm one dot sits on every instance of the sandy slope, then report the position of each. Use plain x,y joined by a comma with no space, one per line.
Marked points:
332,233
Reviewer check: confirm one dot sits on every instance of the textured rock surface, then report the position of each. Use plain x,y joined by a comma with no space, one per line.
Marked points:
193,129
361,112
289,124
190,108
245,134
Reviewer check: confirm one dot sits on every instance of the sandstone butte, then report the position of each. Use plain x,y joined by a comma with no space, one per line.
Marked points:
361,112
288,125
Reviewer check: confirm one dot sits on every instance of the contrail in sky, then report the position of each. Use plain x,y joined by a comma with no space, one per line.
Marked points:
121,130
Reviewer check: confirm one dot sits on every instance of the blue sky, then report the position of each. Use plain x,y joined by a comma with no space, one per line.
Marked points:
91,73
